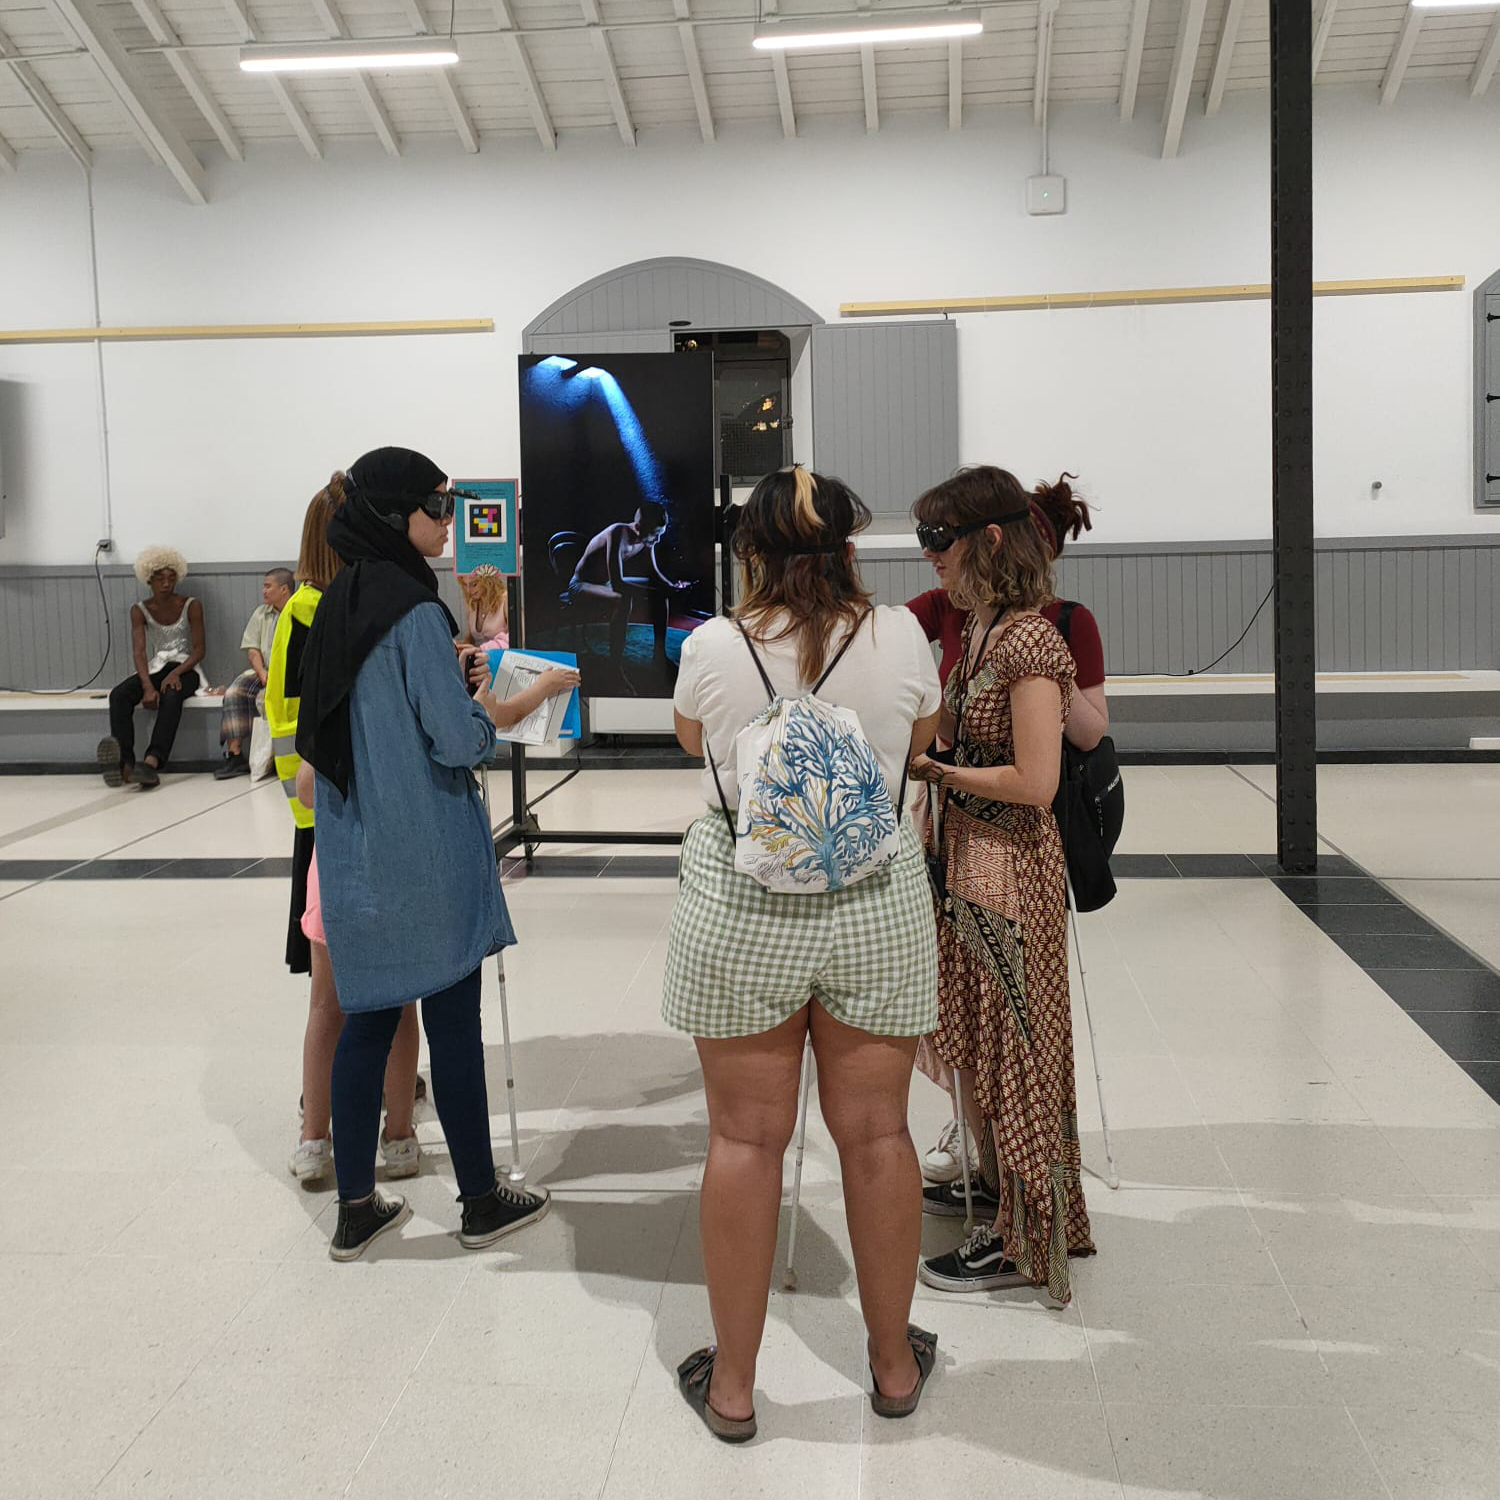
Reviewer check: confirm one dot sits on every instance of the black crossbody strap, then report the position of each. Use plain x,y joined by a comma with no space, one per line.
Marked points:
1065,621
755,657
839,654
719,787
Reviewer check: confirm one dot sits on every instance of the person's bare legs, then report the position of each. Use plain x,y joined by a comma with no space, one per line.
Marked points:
324,1023
863,1081
401,1076
751,1083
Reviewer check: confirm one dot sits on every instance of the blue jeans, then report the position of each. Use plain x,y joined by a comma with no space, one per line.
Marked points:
451,1020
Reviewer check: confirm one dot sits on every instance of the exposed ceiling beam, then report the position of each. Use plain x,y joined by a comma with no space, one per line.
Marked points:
110,57
955,84
520,59
375,111
1323,32
1406,44
1046,22
290,107
49,108
783,84
447,89
872,93
784,95
7,155
1489,60
1135,49
610,73
1184,66
694,63
1229,35
190,78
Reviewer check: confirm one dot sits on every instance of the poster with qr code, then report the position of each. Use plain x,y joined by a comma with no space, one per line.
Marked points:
484,528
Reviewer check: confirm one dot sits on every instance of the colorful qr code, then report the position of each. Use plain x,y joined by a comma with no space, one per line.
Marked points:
487,522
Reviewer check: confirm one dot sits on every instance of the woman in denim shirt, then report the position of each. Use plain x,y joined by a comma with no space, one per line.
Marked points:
411,898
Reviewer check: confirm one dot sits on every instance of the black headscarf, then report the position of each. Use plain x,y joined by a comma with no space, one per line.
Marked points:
385,578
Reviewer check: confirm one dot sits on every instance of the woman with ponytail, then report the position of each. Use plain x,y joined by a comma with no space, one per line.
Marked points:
743,960
306,951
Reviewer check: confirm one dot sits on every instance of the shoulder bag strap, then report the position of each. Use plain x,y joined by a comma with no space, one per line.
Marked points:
1065,620
719,787
755,657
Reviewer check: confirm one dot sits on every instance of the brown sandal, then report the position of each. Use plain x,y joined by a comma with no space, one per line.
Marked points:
693,1376
924,1348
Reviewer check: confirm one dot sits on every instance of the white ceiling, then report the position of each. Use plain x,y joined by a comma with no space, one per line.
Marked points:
163,73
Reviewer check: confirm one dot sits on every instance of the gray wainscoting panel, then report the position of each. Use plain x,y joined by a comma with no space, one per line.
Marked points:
885,408
52,632
1416,604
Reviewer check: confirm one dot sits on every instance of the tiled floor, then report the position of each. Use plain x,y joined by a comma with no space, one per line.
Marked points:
1297,1292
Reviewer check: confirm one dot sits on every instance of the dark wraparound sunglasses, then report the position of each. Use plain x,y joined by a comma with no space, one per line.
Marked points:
940,538
441,503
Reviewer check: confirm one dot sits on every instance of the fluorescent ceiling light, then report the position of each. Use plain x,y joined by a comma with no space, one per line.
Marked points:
858,31
344,56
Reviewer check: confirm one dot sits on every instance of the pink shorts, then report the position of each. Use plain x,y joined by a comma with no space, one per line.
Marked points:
312,913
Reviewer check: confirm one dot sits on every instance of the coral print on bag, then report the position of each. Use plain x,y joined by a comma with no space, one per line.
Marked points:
817,816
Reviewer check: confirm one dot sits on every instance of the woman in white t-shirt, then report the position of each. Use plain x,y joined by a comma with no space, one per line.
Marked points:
752,972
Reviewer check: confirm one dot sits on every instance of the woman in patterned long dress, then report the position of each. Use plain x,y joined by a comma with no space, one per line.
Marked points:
1005,1021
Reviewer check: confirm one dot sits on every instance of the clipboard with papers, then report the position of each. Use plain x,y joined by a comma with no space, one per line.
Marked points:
558,718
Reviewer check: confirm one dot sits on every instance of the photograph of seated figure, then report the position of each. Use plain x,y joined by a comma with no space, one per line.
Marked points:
618,496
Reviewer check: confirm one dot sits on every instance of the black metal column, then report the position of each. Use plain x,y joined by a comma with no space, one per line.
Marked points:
1292,434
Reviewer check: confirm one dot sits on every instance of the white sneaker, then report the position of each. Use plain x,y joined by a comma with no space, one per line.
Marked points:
311,1160
941,1164
402,1158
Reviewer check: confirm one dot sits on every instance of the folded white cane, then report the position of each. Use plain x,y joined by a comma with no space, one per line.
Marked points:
517,1173
789,1281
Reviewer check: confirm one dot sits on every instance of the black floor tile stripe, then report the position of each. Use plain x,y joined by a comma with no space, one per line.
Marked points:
1451,993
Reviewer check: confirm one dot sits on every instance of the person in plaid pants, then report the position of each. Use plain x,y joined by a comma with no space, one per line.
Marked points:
244,698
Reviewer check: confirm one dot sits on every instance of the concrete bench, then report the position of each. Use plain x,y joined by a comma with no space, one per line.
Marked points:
59,731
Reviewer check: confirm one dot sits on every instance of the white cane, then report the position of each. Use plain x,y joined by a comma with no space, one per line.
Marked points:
789,1281
517,1173
962,1122
1113,1179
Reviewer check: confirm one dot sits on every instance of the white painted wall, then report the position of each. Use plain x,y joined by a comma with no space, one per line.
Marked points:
1164,412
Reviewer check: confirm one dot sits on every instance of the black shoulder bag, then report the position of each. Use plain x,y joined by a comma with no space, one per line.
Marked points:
1089,808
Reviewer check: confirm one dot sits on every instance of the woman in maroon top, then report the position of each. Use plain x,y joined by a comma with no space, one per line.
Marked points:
1059,514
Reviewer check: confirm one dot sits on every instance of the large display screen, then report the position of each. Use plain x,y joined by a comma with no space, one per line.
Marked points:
617,512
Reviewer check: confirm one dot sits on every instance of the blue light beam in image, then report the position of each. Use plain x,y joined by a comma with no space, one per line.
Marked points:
632,434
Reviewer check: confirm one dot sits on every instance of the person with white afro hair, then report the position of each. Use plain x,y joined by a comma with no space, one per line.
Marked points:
166,633
156,559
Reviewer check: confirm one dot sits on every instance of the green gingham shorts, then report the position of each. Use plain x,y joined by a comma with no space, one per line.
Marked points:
741,958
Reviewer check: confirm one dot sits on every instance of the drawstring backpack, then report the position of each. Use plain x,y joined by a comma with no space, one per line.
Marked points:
814,811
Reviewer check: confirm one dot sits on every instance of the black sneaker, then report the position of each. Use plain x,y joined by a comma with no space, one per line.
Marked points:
946,1199
232,765
500,1212
360,1223
146,775
978,1265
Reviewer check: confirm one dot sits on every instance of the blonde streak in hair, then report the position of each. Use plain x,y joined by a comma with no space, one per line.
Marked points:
804,501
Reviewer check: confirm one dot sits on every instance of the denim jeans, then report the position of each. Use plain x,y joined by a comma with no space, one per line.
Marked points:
451,1020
